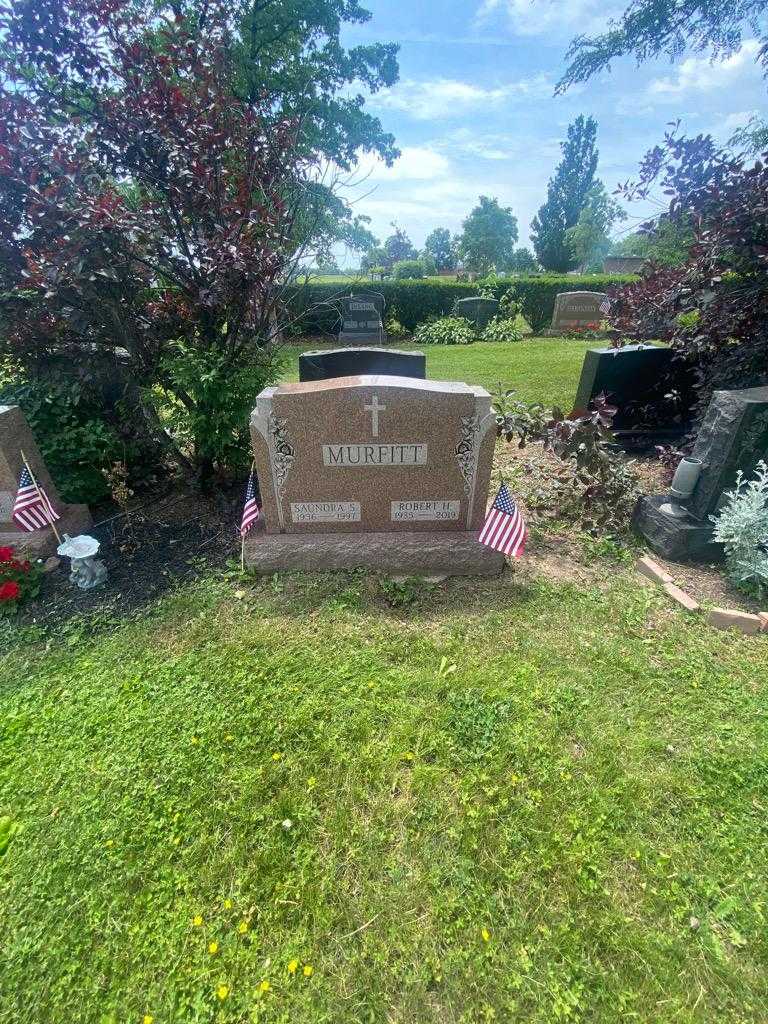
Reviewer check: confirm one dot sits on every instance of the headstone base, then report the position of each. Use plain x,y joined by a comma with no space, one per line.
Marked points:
411,554
352,339
75,519
679,540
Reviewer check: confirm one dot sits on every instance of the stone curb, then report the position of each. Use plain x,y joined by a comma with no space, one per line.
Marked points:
719,618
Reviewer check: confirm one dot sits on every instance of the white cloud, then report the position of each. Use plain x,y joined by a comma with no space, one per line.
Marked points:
549,17
700,74
431,99
416,163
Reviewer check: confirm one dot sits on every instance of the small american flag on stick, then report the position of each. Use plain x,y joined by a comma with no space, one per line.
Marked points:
504,528
250,508
33,509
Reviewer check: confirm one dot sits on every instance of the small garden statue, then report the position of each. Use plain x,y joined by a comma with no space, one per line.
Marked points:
86,571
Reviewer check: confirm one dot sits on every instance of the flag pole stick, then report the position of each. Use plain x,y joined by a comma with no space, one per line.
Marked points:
40,496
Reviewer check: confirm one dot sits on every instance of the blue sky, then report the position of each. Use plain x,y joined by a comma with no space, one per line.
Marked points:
474,111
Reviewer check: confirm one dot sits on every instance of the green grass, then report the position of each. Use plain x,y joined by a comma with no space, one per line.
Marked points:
506,802
540,370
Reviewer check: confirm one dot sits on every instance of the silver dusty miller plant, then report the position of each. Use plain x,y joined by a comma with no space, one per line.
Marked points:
741,526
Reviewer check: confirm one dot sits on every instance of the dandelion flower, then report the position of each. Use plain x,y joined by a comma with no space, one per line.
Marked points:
486,935
308,969
227,904
264,986
293,966
195,739
148,1018
287,824
276,756
222,991
243,927
197,920
213,948
229,737
311,781
110,842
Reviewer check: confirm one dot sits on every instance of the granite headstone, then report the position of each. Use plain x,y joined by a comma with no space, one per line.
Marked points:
362,317
384,472
350,362
733,437
576,310
478,310
15,437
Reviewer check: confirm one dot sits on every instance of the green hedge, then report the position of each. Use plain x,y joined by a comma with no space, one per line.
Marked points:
413,302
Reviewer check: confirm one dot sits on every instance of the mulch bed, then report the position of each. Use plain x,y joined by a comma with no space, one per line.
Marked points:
170,538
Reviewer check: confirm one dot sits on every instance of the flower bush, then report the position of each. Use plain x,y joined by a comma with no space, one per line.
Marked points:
19,581
448,330
501,329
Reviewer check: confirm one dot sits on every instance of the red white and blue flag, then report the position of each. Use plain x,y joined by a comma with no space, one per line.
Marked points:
33,509
504,528
251,507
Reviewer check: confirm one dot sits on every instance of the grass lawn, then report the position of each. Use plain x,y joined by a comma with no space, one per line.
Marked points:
539,369
505,802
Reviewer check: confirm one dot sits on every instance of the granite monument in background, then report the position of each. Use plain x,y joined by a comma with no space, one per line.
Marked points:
362,319
575,311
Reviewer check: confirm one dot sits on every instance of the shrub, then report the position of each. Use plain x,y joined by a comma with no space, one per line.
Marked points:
710,307
74,438
19,581
501,329
407,269
742,527
395,330
448,330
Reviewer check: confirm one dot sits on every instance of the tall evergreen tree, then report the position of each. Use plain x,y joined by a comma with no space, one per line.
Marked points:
566,196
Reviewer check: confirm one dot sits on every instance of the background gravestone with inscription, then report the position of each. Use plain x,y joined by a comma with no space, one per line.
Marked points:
376,471
15,437
576,310
362,318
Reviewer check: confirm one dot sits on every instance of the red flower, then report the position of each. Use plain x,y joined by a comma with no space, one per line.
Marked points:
9,591
6,554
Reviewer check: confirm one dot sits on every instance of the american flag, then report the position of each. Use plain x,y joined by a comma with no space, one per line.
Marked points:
605,306
33,509
504,528
250,509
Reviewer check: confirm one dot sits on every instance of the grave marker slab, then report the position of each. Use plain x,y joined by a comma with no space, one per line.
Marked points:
733,437
15,437
576,311
379,471
478,310
362,317
349,362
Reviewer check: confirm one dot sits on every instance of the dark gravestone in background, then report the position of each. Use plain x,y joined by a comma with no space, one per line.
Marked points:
362,317
352,362
477,310
652,389
733,437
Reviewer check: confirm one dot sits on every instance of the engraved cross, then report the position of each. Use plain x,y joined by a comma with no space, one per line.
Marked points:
374,409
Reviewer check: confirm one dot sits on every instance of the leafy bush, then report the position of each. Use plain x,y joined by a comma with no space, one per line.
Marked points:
74,438
448,330
19,581
408,269
742,527
395,330
314,309
597,484
502,329
710,307
215,428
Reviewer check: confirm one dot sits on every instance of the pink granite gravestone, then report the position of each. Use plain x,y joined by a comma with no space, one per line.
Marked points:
377,471
15,437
